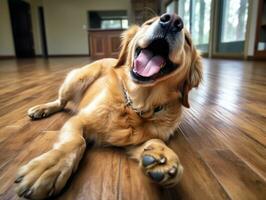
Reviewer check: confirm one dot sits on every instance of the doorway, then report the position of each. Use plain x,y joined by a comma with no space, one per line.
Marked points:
22,28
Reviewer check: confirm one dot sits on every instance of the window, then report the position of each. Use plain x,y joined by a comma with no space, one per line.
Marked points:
232,26
170,8
184,12
108,19
196,17
229,19
200,22
114,23
234,19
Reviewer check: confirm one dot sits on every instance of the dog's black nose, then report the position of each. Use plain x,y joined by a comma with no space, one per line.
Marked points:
171,21
178,24
165,19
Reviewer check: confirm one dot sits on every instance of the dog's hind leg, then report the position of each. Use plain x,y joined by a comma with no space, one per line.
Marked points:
71,90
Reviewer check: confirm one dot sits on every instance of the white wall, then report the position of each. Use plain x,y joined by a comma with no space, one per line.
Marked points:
6,37
65,21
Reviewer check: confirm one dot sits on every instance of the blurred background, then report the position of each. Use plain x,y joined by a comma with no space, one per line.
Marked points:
219,28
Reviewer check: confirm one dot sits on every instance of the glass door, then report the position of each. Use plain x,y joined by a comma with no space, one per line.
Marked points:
196,16
232,20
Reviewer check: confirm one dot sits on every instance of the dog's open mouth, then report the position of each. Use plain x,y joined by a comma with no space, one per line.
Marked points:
152,62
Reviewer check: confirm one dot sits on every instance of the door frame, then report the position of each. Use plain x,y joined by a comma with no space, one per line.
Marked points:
42,31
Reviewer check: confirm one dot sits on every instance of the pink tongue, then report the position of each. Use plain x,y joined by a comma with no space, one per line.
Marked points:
146,64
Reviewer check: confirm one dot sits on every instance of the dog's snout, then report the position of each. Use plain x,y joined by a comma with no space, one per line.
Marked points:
172,22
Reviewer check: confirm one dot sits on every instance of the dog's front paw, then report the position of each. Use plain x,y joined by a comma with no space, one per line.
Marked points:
39,111
161,164
44,176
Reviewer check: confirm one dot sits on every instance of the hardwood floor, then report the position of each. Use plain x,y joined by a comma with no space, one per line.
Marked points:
221,140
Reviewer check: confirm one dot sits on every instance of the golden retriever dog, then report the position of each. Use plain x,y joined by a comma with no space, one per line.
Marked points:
134,102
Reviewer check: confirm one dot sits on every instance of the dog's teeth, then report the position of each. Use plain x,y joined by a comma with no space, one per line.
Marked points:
162,65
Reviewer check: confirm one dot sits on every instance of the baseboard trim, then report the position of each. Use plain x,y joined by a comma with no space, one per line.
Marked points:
7,56
69,55
49,56
228,56
256,58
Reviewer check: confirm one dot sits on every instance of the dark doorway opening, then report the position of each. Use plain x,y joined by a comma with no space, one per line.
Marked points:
43,32
22,28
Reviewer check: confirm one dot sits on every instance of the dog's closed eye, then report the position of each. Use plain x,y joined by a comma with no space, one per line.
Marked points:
158,109
149,22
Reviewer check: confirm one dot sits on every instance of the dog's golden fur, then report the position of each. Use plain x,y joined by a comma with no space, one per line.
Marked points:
105,117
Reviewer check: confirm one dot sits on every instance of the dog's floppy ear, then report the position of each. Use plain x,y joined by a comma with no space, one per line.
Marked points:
193,78
126,37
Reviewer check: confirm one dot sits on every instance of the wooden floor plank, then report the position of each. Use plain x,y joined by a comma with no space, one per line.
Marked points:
198,181
238,180
97,177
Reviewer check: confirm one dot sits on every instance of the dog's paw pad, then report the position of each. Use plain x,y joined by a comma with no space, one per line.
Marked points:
156,176
148,160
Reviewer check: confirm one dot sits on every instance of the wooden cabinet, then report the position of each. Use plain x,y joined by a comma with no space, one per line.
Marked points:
104,43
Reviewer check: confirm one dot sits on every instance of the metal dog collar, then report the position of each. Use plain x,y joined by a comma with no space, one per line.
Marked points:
129,102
